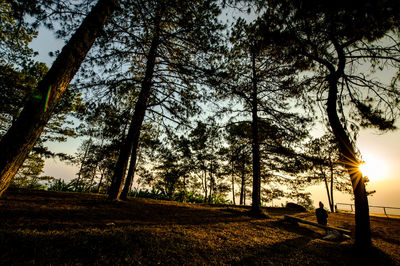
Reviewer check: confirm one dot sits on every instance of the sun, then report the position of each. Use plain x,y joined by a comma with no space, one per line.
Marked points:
373,167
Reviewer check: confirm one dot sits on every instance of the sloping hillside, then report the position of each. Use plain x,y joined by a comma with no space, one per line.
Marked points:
39,227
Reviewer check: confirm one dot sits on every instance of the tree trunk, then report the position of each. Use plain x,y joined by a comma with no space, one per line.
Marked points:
23,134
100,182
211,183
78,179
326,186
129,177
204,181
184,186
94,173
351,163
242,189
256,200
332,203
244,196
233,184
132,140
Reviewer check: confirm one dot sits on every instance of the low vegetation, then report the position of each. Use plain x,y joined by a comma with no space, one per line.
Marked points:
43,227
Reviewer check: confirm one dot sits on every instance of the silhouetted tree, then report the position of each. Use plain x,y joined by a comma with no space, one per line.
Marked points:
327,168
204,143
25,131
262,85
170,45
29,174
239,156
330,40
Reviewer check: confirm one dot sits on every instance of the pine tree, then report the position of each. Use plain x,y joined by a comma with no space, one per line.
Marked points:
327,167
25,131
262,86
165,45
330,39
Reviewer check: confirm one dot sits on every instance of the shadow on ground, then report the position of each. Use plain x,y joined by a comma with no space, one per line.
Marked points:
39,227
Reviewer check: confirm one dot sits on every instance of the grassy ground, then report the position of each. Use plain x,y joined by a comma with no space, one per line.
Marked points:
39,227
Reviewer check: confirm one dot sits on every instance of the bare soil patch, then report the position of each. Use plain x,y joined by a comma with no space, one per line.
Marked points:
40,227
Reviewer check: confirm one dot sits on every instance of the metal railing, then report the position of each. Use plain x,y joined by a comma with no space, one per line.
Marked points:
383,207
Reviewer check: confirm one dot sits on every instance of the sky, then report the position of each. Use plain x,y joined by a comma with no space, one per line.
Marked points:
381,152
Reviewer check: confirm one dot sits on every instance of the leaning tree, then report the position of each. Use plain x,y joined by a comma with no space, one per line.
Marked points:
25,131
333,44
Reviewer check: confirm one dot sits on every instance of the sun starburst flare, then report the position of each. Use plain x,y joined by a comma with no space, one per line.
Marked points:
373,167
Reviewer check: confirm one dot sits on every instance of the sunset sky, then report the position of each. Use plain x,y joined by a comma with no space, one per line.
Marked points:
381,152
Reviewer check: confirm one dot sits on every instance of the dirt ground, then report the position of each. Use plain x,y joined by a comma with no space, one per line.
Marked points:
40,227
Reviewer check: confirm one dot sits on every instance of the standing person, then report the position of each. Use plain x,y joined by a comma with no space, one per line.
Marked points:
322,214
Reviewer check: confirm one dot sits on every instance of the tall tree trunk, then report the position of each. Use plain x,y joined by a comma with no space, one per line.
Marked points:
233,183
328,193
211,183
243,185
100,182
132,140
326,185
94,174
204,181
256,196
129,177
23,134
351,163
332,204
185,185
78,179
244,196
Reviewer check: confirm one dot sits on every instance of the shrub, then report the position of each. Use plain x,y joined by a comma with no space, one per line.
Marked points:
60,185
181,196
